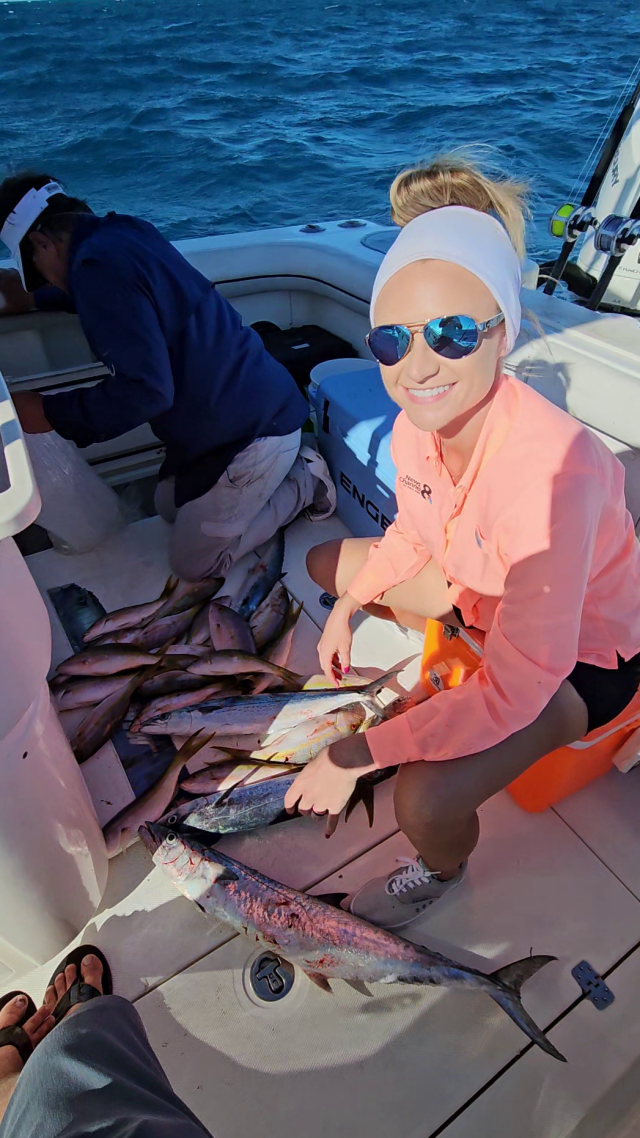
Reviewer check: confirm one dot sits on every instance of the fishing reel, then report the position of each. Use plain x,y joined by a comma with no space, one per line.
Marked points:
615,235
569,221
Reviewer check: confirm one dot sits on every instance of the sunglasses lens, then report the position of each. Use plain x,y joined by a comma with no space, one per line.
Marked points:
452,336
389,343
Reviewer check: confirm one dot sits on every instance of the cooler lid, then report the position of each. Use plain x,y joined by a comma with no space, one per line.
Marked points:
19,497
354,406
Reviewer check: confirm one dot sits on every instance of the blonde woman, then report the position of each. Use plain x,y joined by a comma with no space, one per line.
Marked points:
511,519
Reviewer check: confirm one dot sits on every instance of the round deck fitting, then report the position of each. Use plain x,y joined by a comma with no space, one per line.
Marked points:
271,977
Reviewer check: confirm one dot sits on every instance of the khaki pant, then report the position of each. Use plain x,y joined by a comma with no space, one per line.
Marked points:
265,487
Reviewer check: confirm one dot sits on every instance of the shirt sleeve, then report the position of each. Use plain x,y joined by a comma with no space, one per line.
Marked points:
122,326
531,647
48,298
398,556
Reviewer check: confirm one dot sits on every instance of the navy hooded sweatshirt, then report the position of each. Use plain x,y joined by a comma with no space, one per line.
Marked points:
179,356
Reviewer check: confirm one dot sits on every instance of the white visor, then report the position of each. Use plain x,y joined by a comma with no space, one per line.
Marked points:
21,219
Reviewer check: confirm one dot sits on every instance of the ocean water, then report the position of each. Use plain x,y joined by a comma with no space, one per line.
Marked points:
206,116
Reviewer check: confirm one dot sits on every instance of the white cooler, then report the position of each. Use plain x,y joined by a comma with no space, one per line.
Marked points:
53,863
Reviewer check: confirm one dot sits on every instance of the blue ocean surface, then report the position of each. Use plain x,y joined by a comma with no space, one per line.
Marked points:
207,116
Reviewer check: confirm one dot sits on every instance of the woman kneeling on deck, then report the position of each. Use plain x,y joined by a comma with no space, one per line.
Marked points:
511,519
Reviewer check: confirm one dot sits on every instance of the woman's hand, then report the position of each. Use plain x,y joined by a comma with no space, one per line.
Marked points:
328,781
334,647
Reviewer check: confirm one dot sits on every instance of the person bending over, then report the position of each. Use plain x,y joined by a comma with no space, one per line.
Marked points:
179,359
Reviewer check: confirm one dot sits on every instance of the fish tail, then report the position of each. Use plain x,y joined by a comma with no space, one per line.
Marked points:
375,686
291,679
170,586
505,986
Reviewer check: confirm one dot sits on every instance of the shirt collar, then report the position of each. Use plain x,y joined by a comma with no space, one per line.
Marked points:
494,431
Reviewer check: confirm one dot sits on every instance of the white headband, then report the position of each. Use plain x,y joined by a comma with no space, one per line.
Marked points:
21,219
465,237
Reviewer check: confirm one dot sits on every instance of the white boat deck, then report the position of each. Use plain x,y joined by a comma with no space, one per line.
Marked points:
415,1062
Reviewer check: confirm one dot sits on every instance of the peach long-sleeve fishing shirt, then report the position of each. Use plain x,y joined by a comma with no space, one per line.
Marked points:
541,554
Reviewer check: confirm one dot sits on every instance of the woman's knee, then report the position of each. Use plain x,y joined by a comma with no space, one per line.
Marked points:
321,564
427,794
334,564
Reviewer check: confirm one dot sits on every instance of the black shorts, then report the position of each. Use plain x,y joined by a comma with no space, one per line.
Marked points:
605,691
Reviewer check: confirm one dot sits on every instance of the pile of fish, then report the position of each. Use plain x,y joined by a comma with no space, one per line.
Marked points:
317,935
176,651
210,672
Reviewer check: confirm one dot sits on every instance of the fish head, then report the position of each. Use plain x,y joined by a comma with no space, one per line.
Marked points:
189,861
156,721
351,718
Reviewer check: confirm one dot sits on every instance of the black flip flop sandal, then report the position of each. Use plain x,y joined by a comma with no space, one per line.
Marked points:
15,1035
80,992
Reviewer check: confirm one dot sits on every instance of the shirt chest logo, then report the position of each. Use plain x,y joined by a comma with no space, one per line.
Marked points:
421,488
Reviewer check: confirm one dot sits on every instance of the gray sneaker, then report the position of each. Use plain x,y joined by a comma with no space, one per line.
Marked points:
397,900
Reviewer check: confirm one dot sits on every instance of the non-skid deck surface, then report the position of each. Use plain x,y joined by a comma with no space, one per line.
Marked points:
412,1061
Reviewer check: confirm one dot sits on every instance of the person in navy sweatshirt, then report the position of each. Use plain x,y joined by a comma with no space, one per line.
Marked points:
179,358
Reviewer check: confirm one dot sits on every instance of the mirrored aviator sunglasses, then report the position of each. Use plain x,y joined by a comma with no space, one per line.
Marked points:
453,337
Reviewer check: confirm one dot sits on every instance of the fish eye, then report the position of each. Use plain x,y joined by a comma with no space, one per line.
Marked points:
171,838
171,821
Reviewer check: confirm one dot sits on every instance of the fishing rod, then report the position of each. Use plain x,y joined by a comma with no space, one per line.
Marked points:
570,221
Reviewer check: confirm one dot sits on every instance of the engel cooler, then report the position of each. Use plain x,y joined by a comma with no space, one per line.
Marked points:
53,862
354,418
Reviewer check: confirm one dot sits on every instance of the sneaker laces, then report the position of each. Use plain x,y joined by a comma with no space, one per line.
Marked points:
412,874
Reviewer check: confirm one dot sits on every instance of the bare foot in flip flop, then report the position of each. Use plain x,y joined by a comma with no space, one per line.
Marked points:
21,1029
65,985
26,1033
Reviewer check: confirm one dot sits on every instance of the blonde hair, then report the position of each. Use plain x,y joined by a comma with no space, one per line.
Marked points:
455,179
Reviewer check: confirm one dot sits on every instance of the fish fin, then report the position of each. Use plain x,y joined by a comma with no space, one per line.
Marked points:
514,975
291,680
334,899
363,793
368,802
192,745
359,986
224,795
382,681
170,586
504,987
226,876
356,797
319,980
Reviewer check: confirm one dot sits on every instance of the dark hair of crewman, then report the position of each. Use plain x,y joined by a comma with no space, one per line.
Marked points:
57,219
